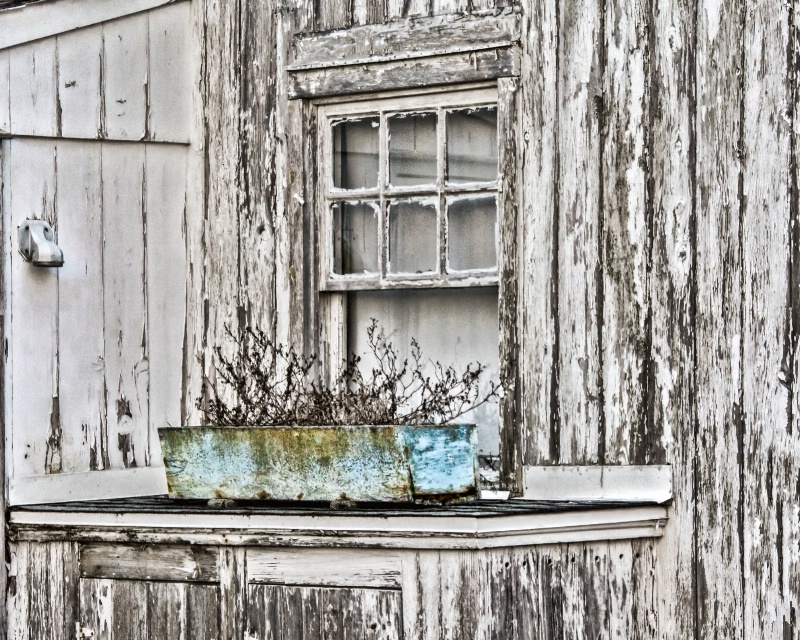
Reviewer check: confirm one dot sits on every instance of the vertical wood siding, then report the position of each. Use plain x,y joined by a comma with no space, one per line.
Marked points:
94,375
125,79
550,591
658,285
658,278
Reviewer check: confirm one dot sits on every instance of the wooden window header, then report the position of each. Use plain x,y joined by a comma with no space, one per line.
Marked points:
407,54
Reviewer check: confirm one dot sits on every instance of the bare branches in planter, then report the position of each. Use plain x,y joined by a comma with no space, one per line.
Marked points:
386,434
273,384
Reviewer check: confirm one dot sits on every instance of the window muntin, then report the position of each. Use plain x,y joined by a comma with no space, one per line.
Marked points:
426,168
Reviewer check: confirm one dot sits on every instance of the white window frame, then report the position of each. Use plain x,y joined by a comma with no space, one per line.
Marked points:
384,107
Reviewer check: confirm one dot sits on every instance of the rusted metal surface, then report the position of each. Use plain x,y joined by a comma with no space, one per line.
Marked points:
397,463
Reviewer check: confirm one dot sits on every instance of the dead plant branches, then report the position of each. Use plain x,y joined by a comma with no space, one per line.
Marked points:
268,384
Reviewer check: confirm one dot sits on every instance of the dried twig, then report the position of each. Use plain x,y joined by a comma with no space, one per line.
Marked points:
271,384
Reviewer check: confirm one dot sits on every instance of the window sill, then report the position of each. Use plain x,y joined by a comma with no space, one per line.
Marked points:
480,525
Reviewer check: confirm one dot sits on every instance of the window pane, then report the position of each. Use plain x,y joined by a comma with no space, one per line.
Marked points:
355,153
412,149
471,234
355,238
453,326
413,242
472,145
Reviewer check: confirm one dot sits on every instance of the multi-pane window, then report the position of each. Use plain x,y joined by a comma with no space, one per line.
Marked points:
408,210
410,192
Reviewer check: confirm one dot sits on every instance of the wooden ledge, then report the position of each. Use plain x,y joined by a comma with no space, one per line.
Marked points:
480,525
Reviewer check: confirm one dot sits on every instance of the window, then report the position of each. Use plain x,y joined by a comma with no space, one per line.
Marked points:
410,192
408,217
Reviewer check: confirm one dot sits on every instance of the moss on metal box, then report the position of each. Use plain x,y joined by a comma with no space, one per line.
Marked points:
361,463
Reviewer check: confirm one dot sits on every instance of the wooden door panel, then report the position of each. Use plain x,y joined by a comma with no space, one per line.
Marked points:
277,612
138,610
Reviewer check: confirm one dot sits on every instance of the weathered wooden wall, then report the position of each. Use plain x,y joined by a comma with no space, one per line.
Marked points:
658,268
100,121
113,592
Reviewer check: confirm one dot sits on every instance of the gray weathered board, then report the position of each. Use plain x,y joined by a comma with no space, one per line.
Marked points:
362,463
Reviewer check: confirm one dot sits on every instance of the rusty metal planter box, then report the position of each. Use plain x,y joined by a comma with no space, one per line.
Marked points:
398,463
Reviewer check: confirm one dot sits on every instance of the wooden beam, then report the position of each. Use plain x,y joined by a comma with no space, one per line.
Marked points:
646,483
47,19
345,530
92,485
404,74
425,37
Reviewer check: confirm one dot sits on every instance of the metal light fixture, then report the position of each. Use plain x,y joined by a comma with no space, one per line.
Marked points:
37,245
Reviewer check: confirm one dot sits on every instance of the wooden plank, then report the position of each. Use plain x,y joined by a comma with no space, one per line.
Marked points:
233,593
290,265
82,400
509,221
429,597
496,587
322,567
334,14
791,457
718,326
96,609
167,611
766,261
44,589
165,203
19,592
203,612
33,337
125,78
460,594
625,236
405,74
5,91
47,19
4,425
125,307
369,11
129,602
421,38
259,168
260,611
586,591
408,8
32,98
169,81
620,605
439,7
311,530
222,131
194,353
80,58
650,483
63,578
138,562
671,303
538,409
297,611
553,597
381,615
648,589
579,390
68,487
528,594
